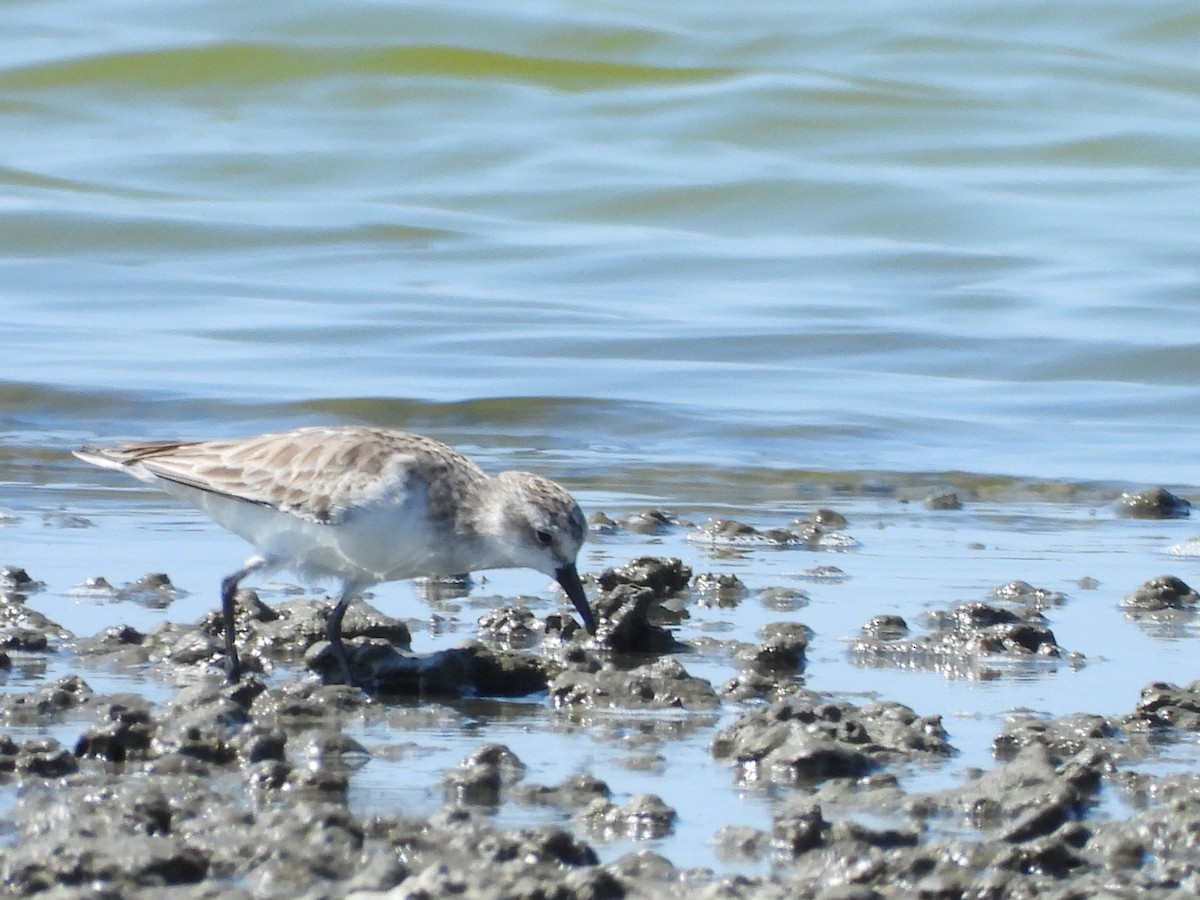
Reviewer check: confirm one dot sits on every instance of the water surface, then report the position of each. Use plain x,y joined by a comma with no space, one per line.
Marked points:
736,260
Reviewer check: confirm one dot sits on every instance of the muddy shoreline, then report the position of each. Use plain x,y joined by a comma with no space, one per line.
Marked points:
244,790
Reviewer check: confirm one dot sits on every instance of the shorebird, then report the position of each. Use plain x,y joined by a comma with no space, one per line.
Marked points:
364,506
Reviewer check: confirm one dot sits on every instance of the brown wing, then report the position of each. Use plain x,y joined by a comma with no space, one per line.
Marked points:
319,474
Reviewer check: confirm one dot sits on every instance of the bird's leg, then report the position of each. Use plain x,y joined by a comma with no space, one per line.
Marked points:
233,668
333,630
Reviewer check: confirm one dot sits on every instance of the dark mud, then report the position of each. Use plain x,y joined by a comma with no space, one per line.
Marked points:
1153,503
243,790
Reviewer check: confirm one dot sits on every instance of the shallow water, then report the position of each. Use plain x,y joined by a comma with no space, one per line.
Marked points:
925,239
905,560
729,261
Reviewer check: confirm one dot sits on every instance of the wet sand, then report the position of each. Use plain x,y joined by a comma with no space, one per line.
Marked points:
506,756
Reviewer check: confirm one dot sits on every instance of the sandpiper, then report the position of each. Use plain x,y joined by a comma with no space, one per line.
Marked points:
365,506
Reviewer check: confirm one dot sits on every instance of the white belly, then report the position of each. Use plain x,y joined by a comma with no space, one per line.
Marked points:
385,543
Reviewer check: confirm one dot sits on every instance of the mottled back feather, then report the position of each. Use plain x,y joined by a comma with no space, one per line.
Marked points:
319,474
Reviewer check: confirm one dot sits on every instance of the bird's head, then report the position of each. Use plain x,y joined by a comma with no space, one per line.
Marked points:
534,523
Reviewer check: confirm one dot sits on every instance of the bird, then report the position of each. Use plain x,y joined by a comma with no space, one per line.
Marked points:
364,506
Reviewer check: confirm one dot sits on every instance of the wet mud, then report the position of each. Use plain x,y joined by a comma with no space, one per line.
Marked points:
243,790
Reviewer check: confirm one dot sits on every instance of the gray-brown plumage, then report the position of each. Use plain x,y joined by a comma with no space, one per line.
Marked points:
363,505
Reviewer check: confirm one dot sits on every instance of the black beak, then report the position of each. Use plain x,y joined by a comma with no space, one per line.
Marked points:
568,578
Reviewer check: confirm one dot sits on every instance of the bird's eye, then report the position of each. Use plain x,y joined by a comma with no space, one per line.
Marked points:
544,538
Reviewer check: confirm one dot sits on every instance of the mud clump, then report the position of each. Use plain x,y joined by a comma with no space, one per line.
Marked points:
124,730
1165,607
26,629
782,649
1030,796
510,626
15,578
980,628
885,628
1025,594
804,739
730,532
966,640
801,831
1152,503
663,576
1164,592
719,589
37,757
47,704
456,853
574,793
663,684
153,590
809,534
770,669
119,645
828,518
945,501
1165,705
1060,738
479,779
648,522
626,613
645,817
630,600
783,599
380,668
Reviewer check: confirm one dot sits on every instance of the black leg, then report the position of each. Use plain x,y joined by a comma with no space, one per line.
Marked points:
333,631
233,667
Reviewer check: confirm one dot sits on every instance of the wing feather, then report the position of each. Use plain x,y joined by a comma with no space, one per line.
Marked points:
319,474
